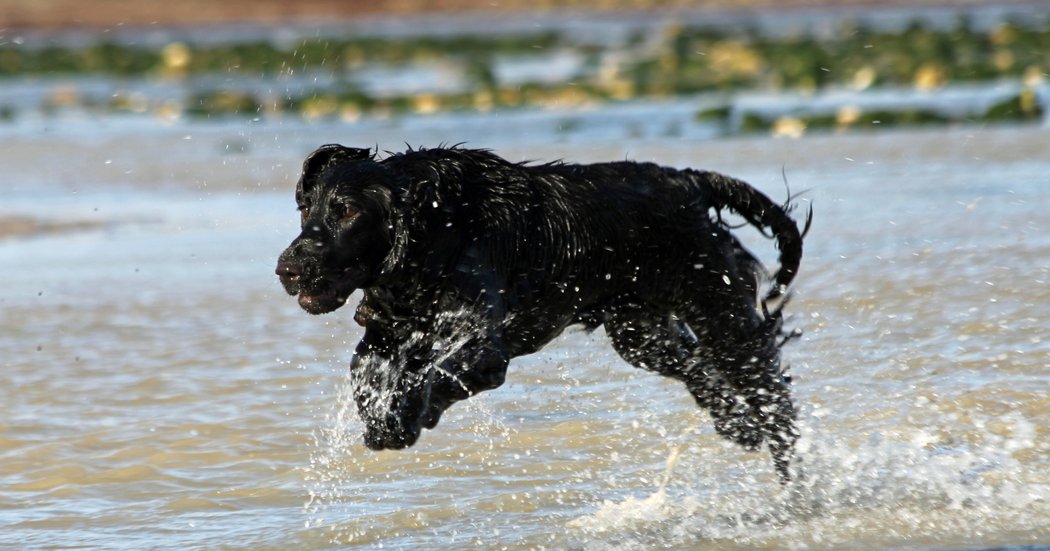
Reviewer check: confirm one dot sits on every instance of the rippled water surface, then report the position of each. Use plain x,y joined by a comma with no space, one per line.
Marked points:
158,390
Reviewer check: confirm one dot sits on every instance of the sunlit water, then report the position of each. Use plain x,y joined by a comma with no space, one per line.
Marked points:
158,390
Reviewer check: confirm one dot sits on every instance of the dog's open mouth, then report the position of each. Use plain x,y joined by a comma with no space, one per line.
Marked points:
321,302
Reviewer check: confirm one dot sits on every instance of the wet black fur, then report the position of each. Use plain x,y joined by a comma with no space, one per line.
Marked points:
456,243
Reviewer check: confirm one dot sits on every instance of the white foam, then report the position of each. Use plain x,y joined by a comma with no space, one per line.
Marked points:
892,488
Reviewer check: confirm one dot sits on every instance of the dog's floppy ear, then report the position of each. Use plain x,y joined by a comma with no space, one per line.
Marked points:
326,156
333,153
330,154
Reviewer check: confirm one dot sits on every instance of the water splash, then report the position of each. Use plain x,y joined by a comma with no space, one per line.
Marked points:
333,444
892,488
339,456
634,511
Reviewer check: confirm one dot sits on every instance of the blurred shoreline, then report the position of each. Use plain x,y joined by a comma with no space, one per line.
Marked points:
638,71
67,14
848,66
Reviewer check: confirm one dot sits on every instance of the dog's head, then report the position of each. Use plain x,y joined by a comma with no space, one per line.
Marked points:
344,199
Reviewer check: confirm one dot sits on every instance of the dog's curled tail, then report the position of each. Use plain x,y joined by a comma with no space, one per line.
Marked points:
760,211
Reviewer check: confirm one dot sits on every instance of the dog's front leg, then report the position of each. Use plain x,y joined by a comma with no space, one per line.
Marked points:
378,374
475,365
476,358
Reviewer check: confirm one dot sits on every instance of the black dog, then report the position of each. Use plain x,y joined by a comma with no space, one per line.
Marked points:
468,260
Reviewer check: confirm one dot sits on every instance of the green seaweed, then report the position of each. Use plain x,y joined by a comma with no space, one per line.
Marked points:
1021,107
681,61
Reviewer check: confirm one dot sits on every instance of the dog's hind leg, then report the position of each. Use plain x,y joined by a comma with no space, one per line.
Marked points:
728,357
662,343
745,388
648,339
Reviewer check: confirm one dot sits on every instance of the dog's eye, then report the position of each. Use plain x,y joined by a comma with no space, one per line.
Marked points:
349,213
304,213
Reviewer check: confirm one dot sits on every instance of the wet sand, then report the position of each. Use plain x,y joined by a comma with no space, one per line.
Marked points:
24,226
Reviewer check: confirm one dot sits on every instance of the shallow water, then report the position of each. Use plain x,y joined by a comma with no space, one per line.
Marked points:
158,390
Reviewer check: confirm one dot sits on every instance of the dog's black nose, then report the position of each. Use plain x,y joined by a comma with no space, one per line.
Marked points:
289,271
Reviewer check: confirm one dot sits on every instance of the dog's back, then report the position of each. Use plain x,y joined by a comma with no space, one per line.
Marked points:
601,223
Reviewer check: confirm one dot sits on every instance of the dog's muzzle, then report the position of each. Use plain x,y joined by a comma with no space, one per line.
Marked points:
290,274
321,298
